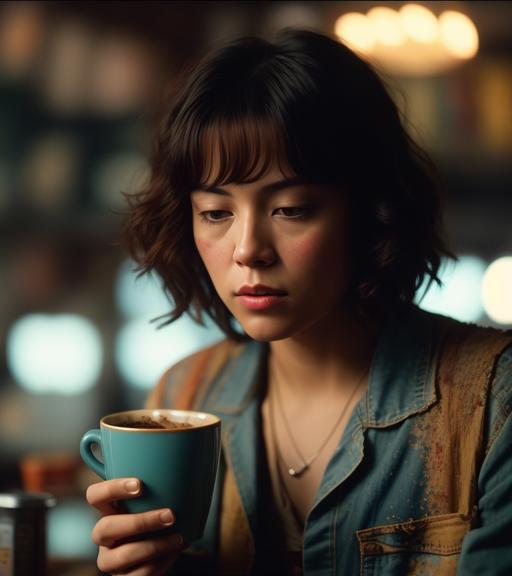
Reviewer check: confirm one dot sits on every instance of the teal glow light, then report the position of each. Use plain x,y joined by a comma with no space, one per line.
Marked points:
497,290
70,525
142,351
139,297
54,353
460,295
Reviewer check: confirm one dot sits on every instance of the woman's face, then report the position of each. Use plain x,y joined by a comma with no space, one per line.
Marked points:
277,251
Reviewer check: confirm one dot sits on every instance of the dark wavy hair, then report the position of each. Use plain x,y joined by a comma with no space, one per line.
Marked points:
308,100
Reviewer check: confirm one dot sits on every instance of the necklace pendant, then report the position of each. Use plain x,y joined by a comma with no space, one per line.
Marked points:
297,473
307,462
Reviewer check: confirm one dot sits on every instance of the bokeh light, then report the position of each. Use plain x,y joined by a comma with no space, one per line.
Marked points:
137,297
459,297
54,353
65,70
144,352
497,290
357,30
411,41
458,34
21,34
387,25
70,525
122,76
419,23
50,173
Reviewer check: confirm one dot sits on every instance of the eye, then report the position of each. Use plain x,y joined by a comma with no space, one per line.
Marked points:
295,212
214,216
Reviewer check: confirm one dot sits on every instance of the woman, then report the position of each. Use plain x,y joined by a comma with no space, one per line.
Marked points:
361,435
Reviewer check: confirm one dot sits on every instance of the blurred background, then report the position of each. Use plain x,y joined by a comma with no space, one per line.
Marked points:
76,81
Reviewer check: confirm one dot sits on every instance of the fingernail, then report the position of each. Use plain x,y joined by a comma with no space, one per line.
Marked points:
175,539
132,486
166,517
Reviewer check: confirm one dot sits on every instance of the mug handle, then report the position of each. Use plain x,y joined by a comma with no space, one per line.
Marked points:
90,438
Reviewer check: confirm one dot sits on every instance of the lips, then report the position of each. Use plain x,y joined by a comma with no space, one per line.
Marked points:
259,290
260,297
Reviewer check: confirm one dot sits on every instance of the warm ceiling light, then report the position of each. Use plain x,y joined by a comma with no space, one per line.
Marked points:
458,34
356,29
419,23
412,42
387,26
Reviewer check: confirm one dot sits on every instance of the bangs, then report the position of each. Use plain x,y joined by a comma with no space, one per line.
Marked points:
238,151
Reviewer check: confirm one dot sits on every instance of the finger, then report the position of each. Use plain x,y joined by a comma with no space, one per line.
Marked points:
128,556
104,494
157,567
114,528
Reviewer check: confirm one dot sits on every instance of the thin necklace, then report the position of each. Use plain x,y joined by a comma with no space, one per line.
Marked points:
306,462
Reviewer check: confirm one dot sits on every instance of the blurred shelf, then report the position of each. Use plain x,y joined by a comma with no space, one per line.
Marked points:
66,567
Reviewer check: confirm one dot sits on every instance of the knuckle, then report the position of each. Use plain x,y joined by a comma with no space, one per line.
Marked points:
132,554
98,536
146,522
160,546
110,560
100,532
103,562
123,557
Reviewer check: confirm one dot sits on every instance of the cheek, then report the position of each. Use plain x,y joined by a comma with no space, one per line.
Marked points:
320,258
211,252
310,250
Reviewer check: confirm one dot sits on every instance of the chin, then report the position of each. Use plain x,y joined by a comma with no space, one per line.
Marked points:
265,330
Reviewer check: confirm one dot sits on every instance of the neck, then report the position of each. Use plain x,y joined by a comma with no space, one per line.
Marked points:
327,357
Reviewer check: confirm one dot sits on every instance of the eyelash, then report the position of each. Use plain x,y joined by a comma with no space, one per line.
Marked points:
306,212
207,220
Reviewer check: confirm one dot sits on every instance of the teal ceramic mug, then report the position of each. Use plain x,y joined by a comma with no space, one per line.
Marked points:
177,466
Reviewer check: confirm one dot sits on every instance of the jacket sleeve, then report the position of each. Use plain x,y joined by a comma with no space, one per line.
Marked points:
487,549
184,384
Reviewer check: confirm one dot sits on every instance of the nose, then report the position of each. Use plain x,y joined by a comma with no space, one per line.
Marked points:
253,245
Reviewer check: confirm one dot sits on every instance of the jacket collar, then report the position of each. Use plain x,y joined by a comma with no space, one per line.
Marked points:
238,381
401,378
402,374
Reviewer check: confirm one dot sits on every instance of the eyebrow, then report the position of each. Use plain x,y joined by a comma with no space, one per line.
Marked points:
268,188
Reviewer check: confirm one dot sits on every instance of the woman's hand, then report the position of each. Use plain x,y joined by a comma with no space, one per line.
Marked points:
124,547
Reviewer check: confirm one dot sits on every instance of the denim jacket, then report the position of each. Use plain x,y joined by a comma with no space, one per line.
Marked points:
421,480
